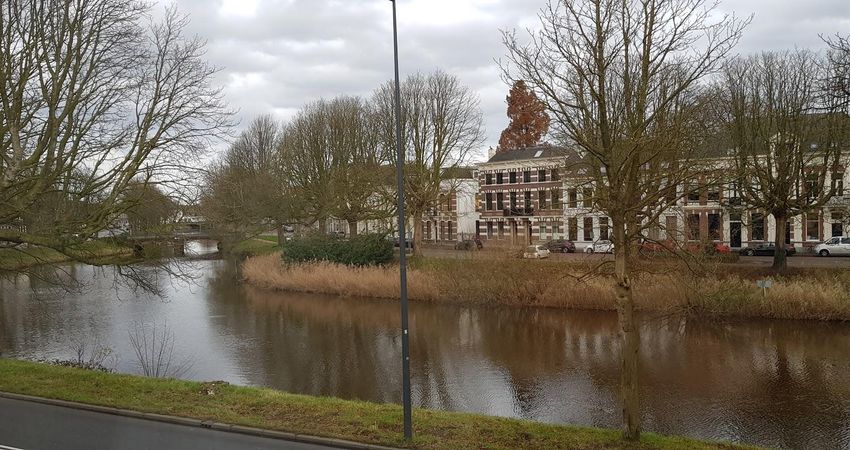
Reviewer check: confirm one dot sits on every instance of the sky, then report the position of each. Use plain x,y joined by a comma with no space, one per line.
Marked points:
277,55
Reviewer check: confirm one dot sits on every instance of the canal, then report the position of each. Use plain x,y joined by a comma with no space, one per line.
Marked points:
764,382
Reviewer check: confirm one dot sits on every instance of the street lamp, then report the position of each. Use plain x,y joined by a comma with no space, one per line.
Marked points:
402,246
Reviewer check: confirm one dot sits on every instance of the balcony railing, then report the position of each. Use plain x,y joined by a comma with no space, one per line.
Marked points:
510,212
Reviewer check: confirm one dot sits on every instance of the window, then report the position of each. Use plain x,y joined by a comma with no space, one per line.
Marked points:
837,229
541,175
838,183
526,176
693,227
587,198
845,241
512,177
527,201
812,227
572,198
541,199
714,227
555,175
811,187
488,179
669,193
513,200
489,229
757,222
587,232
713,194
542,232
693,193
556,231
501,229
488,201
500,200
789,231
556,199
603,228
572,228
500,178
671,224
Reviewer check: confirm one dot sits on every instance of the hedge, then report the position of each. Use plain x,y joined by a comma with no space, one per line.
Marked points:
362,250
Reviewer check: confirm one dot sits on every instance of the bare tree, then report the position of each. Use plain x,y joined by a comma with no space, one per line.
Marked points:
91,99
154,350
620,80
787,135
441,126
359,182
245,193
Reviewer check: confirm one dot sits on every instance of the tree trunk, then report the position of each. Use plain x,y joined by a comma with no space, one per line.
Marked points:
417,234
352,228
780,262
280,235
629,336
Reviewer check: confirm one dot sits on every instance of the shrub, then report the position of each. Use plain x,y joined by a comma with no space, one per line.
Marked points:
363,250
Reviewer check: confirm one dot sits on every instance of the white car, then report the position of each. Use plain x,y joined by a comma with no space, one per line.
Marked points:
834,246
603,246
536,252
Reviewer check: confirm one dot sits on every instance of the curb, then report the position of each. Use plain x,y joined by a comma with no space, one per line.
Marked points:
174,420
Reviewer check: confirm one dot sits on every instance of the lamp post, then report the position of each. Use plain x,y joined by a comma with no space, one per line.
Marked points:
402,246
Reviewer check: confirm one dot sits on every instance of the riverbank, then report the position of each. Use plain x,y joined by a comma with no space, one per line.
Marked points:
13,259
364,422
664,287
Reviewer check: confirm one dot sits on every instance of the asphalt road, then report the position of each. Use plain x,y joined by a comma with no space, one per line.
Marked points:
35,426
756,261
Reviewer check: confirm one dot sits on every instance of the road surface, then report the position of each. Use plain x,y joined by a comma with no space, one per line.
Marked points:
36,426
751,261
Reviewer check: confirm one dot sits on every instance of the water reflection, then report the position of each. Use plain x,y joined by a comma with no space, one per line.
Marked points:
771,383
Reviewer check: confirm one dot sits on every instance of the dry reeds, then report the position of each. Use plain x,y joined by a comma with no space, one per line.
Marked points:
722,291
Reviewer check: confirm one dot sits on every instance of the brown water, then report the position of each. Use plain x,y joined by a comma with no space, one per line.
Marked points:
770,383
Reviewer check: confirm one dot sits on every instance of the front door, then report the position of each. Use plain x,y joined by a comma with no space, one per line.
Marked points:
735,234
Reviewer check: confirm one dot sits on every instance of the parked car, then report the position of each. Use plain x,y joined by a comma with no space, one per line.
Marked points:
408,241
603,246
834,246
536,252
709,247
766,249
561,246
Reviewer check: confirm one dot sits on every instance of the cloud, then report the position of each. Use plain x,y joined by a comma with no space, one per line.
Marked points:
277,55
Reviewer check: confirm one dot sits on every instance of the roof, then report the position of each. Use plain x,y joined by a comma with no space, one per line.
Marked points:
529,153
456,172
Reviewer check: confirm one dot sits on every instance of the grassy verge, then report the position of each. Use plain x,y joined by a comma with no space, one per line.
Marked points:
254,246
668,287
350,420
19,258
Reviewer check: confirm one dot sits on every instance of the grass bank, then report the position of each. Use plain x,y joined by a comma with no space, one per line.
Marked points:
260,245
20,258
721,290
319,416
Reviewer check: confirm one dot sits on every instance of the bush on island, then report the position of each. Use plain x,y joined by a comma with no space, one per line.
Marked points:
362,250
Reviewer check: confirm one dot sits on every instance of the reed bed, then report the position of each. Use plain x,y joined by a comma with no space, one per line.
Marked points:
714,291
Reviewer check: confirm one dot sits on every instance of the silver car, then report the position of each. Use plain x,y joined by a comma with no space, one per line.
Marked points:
602,246
536,252
834,246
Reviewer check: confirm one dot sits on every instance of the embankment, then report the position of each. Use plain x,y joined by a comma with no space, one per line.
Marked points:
712,290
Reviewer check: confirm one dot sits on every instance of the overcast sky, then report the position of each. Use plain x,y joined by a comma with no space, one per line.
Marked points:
277,55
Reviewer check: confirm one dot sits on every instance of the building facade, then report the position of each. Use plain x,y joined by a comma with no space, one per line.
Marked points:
521,196
529,196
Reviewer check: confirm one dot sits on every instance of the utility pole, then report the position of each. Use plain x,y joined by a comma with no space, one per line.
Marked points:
402,247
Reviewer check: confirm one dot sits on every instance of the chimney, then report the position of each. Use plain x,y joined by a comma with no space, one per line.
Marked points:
491,152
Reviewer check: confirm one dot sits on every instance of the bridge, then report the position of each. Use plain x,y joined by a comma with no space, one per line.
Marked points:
177,240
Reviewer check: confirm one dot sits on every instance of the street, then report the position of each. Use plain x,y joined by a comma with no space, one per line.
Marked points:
800,261
36,426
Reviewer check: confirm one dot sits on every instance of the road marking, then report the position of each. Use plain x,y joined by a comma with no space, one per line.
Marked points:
3,447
